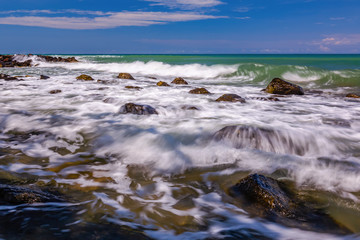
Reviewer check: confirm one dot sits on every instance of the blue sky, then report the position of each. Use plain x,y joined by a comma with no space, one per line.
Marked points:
180,26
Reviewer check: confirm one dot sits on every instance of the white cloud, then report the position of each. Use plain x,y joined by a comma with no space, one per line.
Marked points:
331,42
186,4
243,18
337,18
103,20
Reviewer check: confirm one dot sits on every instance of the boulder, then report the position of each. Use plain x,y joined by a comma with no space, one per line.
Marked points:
3,76
179,80
11,79
55,91
137,109
279,86
84,77
199,91
133,87
230,98
24,195
125,76
268,198
162,84
352,95
44,77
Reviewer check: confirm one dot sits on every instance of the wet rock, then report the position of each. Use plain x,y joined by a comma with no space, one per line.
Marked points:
133,87
22,195
270,99
154,78
137,109
12,79
199,91
9,61
264,139
353,95
84,77
189,108
56,59
179,80
279,86
3,76
125,76
55,91
230,98
162,84
268,198
44,77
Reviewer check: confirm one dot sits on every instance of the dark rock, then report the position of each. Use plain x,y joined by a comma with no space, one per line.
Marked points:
125,76
57,59
84,77
137,109
352,95
270,99
133,87
268,140
199,91
279,86
266,197
154,78
230,98
162,84
109,100
21,195
11,79
55,91
44,77
3,76
179,80
189,108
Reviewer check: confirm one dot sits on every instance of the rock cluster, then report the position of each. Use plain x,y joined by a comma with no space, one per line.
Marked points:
8,61
137,109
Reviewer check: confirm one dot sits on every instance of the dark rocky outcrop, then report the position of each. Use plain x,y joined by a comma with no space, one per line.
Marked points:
137,109
353,95
57,59
230,98
162,84
133,87
268,198
9,61
12,79
125,76
4,76
269,140
85,77
55,91
199,91
24,195
279,86
44,77
179,80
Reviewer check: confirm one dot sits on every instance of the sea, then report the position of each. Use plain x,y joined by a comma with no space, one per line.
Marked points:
165,176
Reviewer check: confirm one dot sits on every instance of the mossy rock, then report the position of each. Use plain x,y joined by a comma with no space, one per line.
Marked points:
230,98
279,86
162,84
84,77
125,76
199,91
137,109
353,95
179,80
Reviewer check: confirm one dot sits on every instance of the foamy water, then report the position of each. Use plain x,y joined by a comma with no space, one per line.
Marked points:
131,161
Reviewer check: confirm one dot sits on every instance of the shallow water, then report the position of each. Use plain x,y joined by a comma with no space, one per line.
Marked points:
164,174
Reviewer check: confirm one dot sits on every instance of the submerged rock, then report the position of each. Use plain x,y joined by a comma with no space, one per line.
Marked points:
270,99
22,195
137,109
3,76
162,84
264,139
85,77
230,98
279,86
44,77
179,80
125,76
55,91
199,91
133,87
353,95
268,198
187,107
